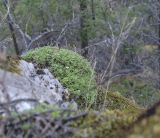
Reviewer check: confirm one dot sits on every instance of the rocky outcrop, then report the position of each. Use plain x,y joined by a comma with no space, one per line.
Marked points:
29,87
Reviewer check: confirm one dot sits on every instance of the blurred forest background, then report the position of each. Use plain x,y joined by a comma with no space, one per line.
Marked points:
120,38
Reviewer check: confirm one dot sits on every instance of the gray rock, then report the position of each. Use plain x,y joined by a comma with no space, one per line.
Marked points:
29,84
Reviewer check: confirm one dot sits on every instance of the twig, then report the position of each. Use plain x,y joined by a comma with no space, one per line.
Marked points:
18,101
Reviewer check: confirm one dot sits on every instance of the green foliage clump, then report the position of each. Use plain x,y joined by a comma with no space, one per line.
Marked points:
114,100
117,101
72,70
41,108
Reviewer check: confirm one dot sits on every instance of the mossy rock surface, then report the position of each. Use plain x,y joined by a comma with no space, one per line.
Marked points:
71,69
148,126
107,124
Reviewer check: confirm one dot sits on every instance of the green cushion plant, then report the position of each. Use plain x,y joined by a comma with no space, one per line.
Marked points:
72,70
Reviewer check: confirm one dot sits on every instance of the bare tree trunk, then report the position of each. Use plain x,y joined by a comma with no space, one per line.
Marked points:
159,48
13,37
93,10
11,28
83,27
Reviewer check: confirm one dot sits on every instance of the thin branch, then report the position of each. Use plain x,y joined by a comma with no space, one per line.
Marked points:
14,102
